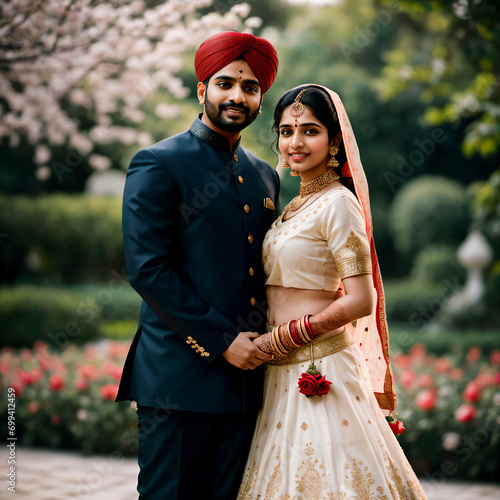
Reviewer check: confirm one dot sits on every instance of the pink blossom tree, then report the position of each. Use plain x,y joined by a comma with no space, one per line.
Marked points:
61,60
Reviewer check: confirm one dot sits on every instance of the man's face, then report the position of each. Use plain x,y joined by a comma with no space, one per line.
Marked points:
233,97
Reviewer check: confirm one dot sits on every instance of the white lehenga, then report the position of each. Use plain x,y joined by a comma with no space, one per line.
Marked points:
337,446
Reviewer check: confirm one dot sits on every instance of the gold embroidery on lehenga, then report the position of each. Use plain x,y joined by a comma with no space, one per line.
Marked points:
353,258
413,483
248,485
412,490
360,483
274,483
311,482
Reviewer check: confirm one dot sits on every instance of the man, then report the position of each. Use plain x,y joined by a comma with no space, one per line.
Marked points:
195,211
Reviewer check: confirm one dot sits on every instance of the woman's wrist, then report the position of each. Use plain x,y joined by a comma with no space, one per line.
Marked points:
326,322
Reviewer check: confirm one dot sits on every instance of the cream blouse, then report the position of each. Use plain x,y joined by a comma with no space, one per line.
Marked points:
321,245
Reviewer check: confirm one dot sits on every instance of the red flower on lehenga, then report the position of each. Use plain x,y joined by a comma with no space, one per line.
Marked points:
396,425
312,383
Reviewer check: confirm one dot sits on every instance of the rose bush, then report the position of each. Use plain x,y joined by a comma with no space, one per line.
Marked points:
450,406
66,400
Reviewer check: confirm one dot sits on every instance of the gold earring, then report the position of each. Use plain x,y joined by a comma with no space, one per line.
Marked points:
332,162
285,164
334,149
294,173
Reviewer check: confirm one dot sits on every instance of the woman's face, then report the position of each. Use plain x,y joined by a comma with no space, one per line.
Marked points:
304,143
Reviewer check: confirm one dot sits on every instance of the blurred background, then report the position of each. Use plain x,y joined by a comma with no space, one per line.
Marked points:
83,86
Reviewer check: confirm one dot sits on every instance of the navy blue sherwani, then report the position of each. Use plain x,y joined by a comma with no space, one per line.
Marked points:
195,214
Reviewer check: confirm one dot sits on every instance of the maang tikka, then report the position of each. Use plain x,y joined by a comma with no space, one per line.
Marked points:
297,108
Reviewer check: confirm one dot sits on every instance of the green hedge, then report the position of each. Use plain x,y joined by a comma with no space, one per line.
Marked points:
29,313
429,210
436,264
60,238
414,303
60,316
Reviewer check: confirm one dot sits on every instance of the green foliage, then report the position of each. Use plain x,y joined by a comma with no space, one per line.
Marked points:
30,313
437,263
429,210
453,68
413,303
71,315
119,330
442,341
115,300
60,238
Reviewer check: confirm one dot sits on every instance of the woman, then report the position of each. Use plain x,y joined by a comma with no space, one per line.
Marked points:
321,433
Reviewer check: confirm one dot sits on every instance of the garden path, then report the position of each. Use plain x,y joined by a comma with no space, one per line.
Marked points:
53,475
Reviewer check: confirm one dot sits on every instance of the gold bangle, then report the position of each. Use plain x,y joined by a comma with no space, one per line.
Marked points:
281,347
278,351
304,329
286,338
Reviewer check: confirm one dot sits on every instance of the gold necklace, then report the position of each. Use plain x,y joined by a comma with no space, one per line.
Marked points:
307,189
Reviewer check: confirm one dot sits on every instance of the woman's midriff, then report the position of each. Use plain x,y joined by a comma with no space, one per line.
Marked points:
286,304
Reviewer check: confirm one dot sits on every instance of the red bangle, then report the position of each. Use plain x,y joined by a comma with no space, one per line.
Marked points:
294,335
308,326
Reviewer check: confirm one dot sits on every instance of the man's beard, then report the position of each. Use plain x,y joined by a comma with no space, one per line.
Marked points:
214,113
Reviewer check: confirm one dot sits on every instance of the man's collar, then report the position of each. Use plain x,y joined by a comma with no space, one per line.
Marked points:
206,134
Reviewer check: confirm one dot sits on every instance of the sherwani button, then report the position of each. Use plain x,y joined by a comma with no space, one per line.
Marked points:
240,179
235,157
246,208
250,238
251,271
252,301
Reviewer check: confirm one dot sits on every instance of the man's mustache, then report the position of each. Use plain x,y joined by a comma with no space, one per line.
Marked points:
246,109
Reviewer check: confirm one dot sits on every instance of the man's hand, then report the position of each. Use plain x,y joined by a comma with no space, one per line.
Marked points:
244,354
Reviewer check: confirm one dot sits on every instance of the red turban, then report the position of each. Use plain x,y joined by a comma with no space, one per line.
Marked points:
221,49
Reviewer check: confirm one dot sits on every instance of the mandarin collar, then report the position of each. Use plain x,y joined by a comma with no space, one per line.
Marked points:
206,134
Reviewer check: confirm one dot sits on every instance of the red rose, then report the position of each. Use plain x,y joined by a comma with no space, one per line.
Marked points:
33,407
56,382
308,384
473,355
442,365
426,400
471,393
81,384
407,378
323,385
464,413
108,392
397,427
425,380
495,358
90,372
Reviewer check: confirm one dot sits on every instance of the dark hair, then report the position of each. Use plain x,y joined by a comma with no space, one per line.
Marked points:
323,109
